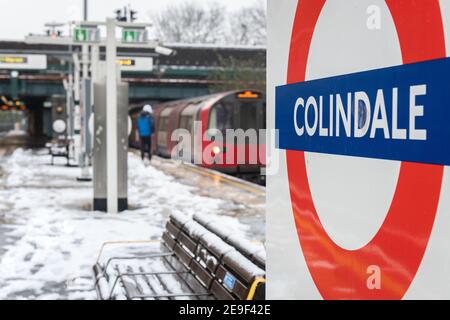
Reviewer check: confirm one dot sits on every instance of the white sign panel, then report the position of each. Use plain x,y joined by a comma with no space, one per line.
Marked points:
23,61
135,64
358,94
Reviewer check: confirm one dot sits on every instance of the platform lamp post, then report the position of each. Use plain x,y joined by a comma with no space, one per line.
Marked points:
110,120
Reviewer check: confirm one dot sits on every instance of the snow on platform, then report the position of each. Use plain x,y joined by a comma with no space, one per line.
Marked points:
49,239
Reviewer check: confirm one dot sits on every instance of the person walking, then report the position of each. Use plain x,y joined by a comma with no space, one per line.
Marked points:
146,127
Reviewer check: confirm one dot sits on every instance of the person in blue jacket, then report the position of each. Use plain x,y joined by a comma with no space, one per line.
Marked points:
146,127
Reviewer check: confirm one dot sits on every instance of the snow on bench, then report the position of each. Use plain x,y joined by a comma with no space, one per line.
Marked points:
59,148
193,262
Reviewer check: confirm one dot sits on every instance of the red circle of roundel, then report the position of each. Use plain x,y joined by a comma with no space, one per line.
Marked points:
398,247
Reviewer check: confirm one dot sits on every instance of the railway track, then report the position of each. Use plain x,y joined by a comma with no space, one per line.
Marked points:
227,179
216,177
245,200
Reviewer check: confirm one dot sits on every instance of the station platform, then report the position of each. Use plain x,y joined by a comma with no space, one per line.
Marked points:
19,139
50,238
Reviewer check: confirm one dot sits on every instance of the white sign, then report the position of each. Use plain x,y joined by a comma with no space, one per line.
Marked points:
23,61
135,64
347,225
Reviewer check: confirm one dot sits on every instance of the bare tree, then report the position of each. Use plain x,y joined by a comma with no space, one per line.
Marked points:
248,25
237,74
190,22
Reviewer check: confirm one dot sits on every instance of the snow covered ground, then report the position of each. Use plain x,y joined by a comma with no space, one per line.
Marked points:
49,239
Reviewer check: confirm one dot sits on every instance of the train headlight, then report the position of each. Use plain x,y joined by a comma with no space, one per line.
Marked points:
216,150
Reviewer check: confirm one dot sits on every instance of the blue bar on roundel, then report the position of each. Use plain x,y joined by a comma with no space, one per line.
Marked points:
396,113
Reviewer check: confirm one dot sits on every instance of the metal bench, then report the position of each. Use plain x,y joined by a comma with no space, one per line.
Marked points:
192,263
59,148
257,255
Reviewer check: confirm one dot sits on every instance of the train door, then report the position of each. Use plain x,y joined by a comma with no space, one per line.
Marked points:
157,110
162,135
187,119
174,124
250,117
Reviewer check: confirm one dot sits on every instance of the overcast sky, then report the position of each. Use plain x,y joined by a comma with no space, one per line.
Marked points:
21,17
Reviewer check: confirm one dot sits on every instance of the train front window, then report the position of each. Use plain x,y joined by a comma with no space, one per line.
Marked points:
222,117
248,117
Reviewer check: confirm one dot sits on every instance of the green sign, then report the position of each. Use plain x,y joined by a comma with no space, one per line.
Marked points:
129,36
87,35
81,35
134,36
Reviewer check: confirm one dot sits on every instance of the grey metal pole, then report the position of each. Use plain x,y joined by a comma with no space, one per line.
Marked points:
85,10
87,111
111,117
83,120
87,105
70,99
95,59
76,110
69,107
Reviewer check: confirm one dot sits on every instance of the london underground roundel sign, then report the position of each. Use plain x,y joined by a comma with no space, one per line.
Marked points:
398,113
